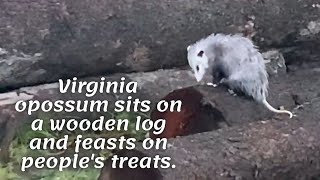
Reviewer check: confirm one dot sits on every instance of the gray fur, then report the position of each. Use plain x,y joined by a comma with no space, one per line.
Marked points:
237,60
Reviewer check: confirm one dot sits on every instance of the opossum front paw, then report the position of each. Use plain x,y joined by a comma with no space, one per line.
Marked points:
232,92
212,84
223,80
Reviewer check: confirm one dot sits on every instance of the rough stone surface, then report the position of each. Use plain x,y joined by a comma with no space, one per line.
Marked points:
268,150
291,91
64,38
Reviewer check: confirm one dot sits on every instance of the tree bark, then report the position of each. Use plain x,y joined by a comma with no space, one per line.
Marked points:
42,41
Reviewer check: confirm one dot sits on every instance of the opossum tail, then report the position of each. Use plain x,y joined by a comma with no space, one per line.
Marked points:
265,102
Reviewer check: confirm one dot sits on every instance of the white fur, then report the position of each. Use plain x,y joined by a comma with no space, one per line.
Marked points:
239,60
194,61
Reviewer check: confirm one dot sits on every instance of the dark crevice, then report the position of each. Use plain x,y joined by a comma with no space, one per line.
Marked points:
194,117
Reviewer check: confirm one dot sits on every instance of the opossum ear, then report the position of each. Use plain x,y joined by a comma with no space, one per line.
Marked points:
188,48
200,53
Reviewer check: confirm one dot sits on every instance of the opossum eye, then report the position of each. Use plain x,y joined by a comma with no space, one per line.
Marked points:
200,53
197,68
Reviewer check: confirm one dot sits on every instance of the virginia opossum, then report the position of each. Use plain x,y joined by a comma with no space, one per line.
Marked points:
232,60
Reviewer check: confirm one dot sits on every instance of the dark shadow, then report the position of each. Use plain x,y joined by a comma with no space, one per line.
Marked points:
196,115
126,173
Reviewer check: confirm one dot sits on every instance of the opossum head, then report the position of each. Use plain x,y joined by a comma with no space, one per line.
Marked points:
198,61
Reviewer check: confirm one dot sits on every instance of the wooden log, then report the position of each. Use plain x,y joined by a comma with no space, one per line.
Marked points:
288,90
42,41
